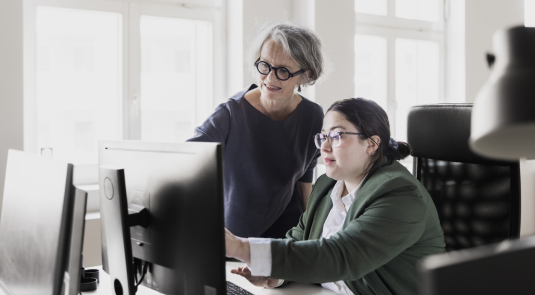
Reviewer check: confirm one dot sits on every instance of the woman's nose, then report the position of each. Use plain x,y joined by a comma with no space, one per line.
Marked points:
326,146
271,76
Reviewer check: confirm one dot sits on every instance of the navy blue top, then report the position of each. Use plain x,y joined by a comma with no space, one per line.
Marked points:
263,160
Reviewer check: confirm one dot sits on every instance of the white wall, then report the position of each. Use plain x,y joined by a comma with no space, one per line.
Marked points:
455,52
92,250
527,183
469,30
335,24
235,61
483,18
11,116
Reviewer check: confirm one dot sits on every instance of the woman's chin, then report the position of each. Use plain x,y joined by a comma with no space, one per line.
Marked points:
331,174
270,96
273,95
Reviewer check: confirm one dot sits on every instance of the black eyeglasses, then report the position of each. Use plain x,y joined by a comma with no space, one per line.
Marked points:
281,73
334,138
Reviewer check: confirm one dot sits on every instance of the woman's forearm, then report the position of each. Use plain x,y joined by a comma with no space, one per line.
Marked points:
244,252
237,247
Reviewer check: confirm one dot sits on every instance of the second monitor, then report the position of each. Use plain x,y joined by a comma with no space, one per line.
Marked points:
181,186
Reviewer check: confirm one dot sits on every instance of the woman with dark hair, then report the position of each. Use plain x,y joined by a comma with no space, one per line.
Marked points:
367,222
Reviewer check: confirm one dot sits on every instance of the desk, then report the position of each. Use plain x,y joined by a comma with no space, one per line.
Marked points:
292,289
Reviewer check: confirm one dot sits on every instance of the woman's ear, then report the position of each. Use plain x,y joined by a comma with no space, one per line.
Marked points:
304,77
373,144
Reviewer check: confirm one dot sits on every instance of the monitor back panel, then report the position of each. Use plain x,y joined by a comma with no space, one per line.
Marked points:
35,224
77,240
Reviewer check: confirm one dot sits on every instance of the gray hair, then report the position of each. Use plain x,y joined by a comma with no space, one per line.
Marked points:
301,44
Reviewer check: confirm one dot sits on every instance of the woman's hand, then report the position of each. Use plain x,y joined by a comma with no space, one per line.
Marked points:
265,282
237,247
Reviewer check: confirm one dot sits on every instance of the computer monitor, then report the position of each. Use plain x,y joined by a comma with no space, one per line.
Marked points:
35,225
181,187
77,241
504,268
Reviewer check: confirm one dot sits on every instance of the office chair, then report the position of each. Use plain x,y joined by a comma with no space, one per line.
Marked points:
477,199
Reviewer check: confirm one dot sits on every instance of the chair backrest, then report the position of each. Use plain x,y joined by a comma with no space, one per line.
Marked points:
477,199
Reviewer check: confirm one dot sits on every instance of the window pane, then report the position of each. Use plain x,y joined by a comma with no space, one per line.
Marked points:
427,10
78,91
417,78
372,7
529,13
175,76
370,68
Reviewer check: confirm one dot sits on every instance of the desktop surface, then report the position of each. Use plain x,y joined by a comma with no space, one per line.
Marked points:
105,287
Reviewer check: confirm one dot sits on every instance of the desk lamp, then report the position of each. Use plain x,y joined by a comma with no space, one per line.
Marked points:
503,116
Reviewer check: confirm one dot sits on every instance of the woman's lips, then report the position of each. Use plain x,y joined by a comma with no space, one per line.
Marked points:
327,162
271,88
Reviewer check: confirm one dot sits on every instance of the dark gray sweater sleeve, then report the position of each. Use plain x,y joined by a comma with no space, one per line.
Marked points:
309,174
215,128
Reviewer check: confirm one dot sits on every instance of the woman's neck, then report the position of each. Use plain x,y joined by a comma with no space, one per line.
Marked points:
277,110
351,184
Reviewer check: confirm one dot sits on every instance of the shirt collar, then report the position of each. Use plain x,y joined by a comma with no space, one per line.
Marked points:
341,203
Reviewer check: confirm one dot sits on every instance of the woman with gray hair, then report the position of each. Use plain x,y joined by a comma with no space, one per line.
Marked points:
266,130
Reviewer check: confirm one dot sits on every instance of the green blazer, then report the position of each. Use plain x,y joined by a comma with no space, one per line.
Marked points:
391,224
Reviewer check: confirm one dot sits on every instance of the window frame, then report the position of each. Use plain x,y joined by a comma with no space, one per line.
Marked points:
131,12
391,27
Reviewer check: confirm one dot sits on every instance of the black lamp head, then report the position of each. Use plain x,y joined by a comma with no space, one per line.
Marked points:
503,116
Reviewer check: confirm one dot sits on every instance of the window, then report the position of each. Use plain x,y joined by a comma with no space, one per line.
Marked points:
399,56
78,81
110,70
370,68
175,77
426,10
377,7
417,78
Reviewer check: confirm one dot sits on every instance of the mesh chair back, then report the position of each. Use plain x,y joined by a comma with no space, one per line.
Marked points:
477,199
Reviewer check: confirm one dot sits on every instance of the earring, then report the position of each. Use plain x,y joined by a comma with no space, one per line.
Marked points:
299,88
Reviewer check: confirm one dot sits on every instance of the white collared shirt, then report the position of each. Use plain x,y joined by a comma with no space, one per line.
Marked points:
261,259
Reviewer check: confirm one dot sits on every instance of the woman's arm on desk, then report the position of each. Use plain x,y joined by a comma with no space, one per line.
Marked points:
239,248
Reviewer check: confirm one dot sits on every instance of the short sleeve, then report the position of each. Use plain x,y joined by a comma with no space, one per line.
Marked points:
309,173
215,128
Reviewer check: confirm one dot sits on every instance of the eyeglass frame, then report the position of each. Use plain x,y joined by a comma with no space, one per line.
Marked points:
328,136
276,69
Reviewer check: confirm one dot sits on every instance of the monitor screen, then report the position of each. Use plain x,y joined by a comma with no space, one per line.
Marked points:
181,186
35,225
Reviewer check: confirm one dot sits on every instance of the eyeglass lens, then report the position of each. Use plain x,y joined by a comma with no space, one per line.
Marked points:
333,137
281,73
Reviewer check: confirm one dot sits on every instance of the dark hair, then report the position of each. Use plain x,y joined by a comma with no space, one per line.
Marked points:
371,119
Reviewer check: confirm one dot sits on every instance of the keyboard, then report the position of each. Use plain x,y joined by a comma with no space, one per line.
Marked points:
233,289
